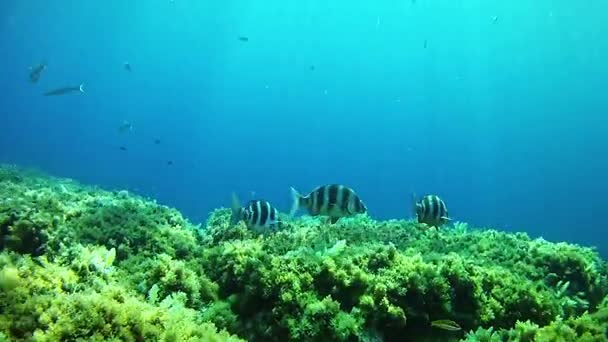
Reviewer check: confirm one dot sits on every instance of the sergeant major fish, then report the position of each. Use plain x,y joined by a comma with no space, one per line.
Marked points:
331,200
65,90
430,210
258,215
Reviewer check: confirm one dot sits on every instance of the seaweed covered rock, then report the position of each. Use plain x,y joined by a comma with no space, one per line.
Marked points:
366,280
44,215
162,276
587,327
42,301
83,263
140,271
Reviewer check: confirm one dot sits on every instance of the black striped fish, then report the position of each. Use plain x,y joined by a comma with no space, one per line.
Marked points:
258,215
332,200
430,210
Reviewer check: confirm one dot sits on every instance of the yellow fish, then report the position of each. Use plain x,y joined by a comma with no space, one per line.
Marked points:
446,324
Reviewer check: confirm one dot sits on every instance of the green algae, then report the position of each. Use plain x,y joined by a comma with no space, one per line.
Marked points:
95,257
127,268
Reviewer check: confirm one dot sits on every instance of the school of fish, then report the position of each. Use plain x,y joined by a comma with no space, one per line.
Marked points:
333,201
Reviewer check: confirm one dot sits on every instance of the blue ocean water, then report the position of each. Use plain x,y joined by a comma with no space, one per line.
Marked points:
498,107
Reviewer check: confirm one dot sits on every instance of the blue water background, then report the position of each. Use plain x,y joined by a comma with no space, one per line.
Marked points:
503,114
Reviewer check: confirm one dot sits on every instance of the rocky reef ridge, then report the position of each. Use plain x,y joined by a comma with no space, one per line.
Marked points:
82,263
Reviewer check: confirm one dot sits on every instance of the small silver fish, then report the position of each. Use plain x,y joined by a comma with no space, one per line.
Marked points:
331,200
65,90
430,210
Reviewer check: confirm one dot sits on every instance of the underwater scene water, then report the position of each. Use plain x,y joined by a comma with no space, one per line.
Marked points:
416,170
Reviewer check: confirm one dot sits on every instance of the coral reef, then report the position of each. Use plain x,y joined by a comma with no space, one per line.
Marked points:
78,262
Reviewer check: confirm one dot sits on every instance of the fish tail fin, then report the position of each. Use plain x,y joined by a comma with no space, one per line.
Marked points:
297,201
236,210
81,87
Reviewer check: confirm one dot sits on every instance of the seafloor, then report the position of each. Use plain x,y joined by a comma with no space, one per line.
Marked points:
81,263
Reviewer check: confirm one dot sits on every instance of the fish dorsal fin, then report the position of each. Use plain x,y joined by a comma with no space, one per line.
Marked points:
237,211
414,207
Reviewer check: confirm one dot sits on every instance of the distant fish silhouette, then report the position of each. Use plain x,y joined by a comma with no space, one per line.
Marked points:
312,68
425,43
243,39
36,71
65,90
127,66
157,141
125,127
123,148
170,162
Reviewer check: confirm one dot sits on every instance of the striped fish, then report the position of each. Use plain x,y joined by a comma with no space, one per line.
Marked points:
431,210
331,200
258,215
